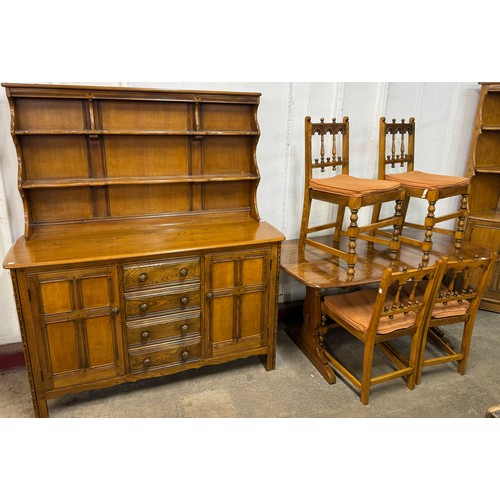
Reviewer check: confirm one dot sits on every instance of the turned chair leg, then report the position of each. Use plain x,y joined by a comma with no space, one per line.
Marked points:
352,233
395,244
459,233
429,226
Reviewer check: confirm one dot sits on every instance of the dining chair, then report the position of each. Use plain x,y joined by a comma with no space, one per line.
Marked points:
457,301
396,149
344,191
373,315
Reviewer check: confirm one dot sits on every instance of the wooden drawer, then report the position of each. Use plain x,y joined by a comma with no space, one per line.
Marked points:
146,332
142,360
156,273
169,299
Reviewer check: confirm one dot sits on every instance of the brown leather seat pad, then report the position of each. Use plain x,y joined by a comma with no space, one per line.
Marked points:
348,185
356,308
417,179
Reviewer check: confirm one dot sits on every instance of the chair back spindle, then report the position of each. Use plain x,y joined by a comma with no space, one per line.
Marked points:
401,139
338,135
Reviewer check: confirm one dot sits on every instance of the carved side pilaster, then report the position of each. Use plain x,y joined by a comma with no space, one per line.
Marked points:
34,398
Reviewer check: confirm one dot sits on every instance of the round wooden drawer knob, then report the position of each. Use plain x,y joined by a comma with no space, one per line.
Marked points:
184,328
146,363
185,355
184,272
145,335
143,277
144,307
184,301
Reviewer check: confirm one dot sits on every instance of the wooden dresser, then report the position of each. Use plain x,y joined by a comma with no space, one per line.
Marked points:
143,253
483,167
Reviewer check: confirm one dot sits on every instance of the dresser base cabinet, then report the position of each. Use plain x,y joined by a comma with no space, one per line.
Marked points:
82,329
143,251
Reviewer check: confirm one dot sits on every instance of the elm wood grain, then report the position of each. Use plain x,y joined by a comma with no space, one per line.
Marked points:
147,358
144,116
483,168
150,302
79,316
319,271
68,244
156,189
146,275
48,157
237,282
148,331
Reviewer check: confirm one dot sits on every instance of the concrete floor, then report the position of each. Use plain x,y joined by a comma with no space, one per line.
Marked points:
294,389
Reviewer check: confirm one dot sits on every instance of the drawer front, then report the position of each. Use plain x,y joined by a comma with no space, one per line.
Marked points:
157,273
141,360
151,304
142,333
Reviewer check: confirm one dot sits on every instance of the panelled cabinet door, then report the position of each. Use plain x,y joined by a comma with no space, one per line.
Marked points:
78,318
487,234
236,301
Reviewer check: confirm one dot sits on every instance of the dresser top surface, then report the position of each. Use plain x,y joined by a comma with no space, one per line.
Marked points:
122,240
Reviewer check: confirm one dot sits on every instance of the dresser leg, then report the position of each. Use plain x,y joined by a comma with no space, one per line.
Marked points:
41,408
269,361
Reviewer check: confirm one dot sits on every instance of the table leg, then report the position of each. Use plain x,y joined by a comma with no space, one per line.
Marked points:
308,338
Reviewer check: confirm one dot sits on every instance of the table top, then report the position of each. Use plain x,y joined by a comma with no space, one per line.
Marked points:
318,269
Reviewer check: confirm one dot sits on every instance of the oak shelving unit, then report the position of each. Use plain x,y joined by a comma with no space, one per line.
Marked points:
483,225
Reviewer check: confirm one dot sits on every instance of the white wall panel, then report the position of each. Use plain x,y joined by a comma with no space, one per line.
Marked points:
11,223
444,114
402,100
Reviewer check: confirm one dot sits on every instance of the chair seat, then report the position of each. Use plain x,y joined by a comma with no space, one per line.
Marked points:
423,180
356,308
450,309
441,309
347,185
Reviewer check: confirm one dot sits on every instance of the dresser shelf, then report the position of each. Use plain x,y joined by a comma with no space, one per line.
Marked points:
120,181
139,132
